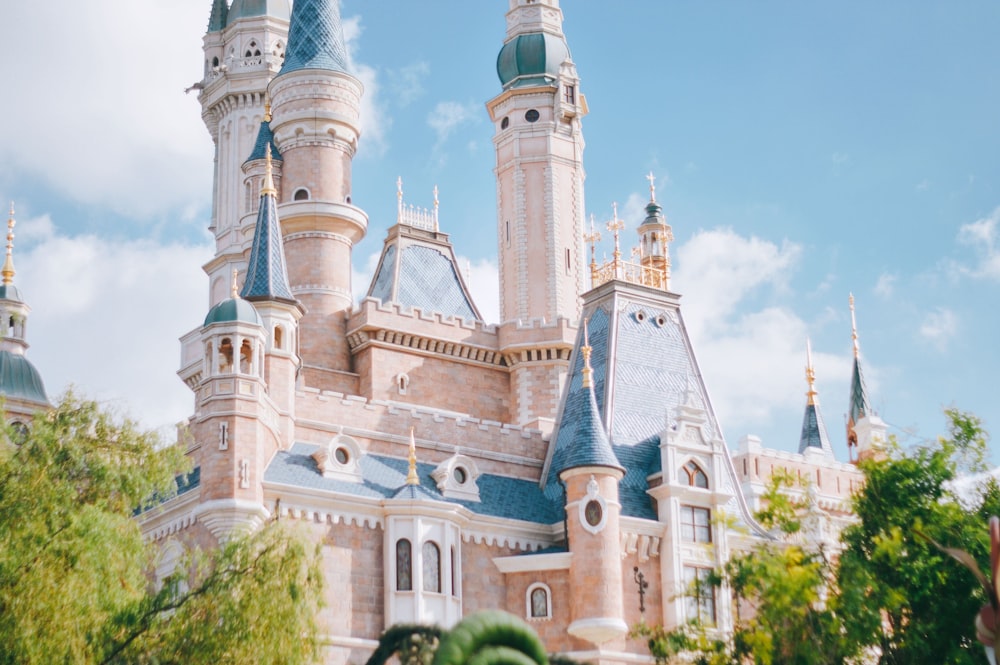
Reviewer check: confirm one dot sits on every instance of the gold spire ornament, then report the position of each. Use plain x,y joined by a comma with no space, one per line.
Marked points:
810,375
411,477
588,381
269,189
8,264
235,289
652,186
854,327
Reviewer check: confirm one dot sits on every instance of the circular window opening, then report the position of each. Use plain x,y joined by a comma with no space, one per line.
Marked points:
460,475
661,320
531,116
505,123
640,316
593,512
342,455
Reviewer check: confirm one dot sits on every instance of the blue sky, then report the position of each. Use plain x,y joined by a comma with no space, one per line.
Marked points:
802,151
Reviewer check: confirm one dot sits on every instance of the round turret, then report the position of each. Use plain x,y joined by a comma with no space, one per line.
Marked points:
250,8
19,380
233,310
531,59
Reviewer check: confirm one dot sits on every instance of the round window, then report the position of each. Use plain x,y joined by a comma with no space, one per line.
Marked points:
505,123
593,512
342,455
460,475
531,115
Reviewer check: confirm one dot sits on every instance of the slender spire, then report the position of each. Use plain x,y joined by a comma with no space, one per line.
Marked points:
859,406
235,291
586,351
267,277
854,326
220,14
8,264
652,186
814,434
411,476
315,37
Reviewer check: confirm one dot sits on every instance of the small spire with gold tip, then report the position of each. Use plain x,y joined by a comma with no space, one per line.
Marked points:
616,225
8,264
411,477
588,381
810,375
235,288
593,238
854,327
268,174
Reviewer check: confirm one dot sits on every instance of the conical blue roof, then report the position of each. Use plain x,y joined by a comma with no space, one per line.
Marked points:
859,406
267,278
315,37
814,431
265,138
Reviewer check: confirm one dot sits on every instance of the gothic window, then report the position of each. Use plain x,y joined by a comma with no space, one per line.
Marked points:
692,475
252,50
539,601
215,61
301,195
700,600
404,565
431,567
696,524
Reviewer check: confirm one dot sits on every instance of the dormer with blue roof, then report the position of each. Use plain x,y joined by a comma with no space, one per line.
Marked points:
20,382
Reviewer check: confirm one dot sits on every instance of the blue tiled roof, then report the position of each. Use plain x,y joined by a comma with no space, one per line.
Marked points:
20,380
217,19
383,477
267,278
265,137
10,292
814,431
421,277
585,443
859,406
315,37
250,8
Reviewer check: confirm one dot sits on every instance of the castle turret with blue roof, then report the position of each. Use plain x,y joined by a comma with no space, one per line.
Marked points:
814,437
866,431
21,384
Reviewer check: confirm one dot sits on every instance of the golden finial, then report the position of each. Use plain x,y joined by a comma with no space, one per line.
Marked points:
810,374
436,197
593,238
854,328
616,225
267,107
652,186
8,264
236,288
586,350
268,174
411,477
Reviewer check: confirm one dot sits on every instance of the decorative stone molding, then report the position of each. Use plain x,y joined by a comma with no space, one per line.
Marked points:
457,477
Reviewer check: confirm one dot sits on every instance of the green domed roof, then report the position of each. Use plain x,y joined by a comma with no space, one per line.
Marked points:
248,8
233,310
20,380
531,59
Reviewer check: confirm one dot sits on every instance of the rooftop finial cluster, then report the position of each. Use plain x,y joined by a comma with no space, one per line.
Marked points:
8,264
421,218
235,290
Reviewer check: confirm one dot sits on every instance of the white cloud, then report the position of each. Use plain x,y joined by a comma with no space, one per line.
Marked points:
407,83
100,113
375,122
939,327
106,316
447,116
886,285
982,236
483,279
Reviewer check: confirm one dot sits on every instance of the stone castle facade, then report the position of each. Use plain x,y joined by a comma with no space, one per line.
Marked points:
540,464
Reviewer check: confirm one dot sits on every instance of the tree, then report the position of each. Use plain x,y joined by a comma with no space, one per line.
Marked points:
900,594
891,596
76,581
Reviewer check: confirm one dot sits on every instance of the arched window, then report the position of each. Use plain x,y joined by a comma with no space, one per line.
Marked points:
404,565
226,355
431,567
539,601
454,573
692,475
301,195
215,61
246,357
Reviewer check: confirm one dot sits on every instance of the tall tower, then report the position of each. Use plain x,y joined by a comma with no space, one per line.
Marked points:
315,119
244,48
539,169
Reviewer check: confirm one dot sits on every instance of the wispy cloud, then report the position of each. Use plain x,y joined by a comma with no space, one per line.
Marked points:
939,327
982,237
447,116
407,83
886,285
375,120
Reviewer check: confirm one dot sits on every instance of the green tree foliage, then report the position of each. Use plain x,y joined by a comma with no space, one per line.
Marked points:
75,572
892,596
899,593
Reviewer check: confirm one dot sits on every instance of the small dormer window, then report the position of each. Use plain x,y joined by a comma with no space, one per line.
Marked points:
569,94
456,478
340,459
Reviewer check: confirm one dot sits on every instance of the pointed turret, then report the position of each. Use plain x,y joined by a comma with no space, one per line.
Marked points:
814,436
219,16
266,277
655,236
316,37
20,382
866,432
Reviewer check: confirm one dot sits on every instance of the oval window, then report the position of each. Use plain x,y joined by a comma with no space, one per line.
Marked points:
593,512
531,116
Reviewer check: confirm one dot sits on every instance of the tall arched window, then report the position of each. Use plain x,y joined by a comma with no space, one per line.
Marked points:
431,567
539,601
692,475
404,565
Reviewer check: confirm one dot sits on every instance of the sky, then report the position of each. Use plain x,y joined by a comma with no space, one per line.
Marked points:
802,152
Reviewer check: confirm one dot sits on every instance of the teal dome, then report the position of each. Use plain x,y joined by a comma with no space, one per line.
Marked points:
10,292
233,310
532,59
20,380
250,8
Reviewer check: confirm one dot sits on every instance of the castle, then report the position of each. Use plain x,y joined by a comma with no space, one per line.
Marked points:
564,464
